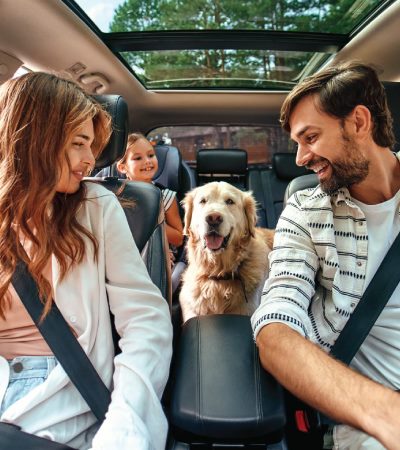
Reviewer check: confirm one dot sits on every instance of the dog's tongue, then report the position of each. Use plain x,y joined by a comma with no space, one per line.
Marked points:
214,241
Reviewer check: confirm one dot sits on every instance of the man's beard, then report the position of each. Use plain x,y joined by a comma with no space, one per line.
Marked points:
352,168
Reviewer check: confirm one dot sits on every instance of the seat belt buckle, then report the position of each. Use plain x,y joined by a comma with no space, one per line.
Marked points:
308,420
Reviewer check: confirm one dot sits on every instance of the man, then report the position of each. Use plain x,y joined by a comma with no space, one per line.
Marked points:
329,242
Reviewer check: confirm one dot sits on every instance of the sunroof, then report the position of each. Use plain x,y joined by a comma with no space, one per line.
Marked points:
328,16
225,44
219,69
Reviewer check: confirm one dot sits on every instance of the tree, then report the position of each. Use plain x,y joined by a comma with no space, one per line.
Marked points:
177,69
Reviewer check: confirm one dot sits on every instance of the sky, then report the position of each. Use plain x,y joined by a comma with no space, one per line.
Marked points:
100,11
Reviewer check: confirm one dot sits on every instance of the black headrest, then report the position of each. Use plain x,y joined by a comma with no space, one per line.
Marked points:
299,183
118,109
284,165
222,160
392,89
169,163
143,214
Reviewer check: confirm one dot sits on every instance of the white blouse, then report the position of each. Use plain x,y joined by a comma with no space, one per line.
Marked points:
137,376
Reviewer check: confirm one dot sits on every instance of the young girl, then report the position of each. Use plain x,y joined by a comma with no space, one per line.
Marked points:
79,249
140,164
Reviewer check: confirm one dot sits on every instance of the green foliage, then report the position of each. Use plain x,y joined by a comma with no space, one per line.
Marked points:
232,65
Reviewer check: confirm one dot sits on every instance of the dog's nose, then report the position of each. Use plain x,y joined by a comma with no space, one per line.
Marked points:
214,219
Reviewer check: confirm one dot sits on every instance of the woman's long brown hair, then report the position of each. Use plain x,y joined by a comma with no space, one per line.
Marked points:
39,114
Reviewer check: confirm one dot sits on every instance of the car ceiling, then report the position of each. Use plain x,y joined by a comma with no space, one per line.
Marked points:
47,35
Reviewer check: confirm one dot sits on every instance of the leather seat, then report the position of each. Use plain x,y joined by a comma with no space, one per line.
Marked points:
268,186
142,202
173,172
299,183
222,164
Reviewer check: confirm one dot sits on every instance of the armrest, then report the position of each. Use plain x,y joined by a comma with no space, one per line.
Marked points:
220,391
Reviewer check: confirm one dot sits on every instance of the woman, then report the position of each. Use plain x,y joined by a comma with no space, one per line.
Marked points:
80,251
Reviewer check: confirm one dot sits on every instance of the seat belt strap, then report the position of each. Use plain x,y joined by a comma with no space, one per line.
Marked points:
371,304
350,339
63,343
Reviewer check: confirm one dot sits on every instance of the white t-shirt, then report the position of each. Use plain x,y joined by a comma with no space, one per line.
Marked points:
379,355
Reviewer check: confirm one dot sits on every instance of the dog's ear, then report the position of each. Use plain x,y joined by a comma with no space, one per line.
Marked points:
187,204
251,212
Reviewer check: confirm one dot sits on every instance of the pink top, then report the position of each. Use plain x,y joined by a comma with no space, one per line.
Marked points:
19,336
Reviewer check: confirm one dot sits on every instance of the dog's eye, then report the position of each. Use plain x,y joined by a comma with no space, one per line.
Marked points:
203,201
229,201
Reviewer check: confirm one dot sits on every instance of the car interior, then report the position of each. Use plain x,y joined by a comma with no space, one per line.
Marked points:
207,93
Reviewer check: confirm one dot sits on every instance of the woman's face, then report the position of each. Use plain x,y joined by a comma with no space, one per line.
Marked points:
140,162
81,159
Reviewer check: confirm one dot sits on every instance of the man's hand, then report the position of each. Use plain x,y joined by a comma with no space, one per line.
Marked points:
330,386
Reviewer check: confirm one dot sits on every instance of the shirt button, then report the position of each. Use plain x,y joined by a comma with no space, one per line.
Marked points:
361,224
359,263
17,367
353,305
72,319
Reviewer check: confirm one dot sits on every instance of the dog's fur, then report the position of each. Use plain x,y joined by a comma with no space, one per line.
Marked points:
227,254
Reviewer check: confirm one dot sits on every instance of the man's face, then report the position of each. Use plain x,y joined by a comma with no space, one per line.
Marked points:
325,147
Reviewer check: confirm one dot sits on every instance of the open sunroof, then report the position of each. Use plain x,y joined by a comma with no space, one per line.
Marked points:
225,44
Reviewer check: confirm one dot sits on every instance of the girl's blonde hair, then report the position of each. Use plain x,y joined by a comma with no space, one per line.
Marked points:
39,114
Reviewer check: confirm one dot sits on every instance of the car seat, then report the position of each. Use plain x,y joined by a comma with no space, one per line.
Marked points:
173,172
222,164
142,202
268,186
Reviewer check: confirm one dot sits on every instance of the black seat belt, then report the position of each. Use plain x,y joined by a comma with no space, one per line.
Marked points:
371,304
357,328
63,343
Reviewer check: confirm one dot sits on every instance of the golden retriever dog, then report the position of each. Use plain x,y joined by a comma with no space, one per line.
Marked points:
227,254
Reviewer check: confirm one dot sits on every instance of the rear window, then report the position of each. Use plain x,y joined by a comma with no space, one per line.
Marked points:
260,142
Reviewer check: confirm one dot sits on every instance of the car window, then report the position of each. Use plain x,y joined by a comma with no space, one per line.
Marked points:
21,71
260,142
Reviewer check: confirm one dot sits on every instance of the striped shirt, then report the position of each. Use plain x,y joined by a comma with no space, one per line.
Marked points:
168,198
317,267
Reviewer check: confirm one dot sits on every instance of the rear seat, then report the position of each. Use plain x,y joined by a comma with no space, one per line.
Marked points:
222,164
173,172
269,185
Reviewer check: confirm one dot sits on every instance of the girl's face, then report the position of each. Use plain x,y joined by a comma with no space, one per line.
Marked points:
80,157
140,162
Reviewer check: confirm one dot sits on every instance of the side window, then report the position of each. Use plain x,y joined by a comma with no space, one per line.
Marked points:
260,142
21,71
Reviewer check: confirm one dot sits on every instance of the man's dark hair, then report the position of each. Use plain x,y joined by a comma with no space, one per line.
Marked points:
340,89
